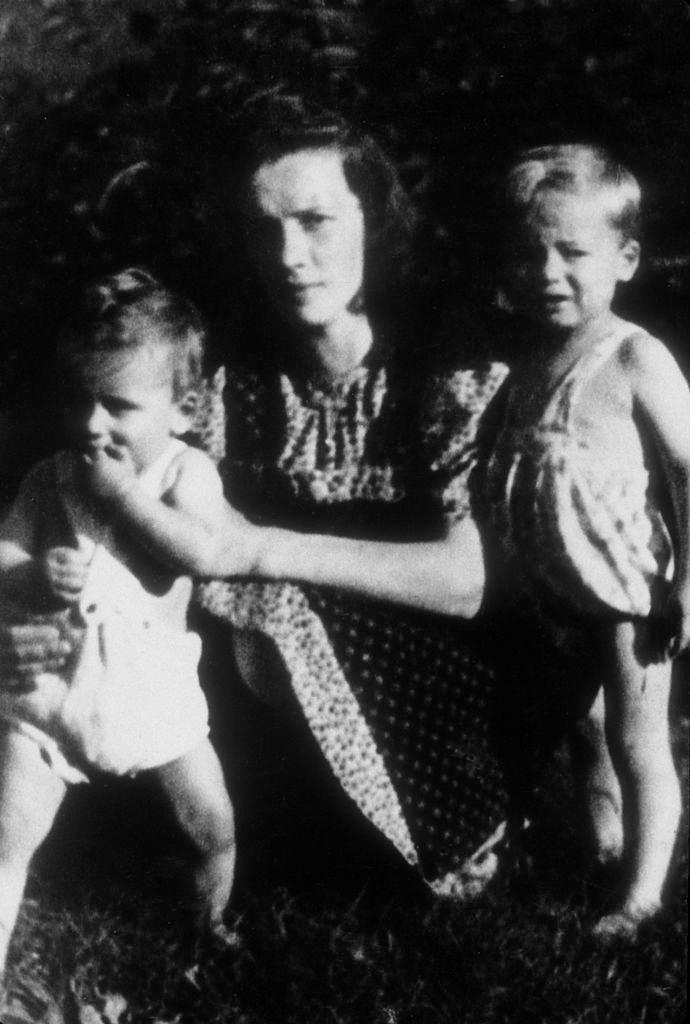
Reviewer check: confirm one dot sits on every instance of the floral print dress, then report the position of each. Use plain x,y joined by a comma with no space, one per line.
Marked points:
396,699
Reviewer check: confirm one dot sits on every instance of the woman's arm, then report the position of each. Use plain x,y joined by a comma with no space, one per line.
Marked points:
185,529
445,575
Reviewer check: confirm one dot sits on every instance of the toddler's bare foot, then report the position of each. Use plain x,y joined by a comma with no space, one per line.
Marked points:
625,923
202,938
223,936
607,855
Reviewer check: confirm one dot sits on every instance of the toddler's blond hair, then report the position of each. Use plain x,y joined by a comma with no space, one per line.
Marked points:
575,169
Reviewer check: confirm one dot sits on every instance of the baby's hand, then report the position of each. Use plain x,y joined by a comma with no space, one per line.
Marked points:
64,573
109,476
676,618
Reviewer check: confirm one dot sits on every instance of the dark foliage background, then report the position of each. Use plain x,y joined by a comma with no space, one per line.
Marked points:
452,87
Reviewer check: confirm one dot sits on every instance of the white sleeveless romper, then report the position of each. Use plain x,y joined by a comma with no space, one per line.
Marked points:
132,699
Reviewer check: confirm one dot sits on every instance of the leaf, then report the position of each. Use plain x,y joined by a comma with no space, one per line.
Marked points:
87,1014
337,55
54,24
111,1010
114,1007
6,23
192,976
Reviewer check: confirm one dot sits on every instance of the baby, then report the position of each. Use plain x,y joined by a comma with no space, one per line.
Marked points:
100,539
592,444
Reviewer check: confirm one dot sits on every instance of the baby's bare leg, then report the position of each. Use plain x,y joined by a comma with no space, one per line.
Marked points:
30,795
195,788
637,729
597,783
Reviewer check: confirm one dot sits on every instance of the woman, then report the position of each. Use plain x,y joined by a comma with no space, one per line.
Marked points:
349,461
355,476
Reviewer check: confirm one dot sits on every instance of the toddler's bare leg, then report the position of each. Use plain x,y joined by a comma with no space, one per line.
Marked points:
30,795
598,784
195,788
637,699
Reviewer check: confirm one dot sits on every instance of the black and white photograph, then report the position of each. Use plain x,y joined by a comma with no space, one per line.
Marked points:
344,511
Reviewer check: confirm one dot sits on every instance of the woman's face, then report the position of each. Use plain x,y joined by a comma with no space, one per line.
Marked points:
306,236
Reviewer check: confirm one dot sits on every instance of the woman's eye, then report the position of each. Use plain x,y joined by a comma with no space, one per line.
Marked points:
313,221
574,254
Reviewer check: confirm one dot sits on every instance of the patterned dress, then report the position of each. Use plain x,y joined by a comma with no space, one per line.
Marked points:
396,699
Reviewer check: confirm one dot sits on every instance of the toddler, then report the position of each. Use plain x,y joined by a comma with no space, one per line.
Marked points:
100,539
592,444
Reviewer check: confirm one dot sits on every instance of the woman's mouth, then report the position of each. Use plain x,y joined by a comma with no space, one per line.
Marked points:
300,288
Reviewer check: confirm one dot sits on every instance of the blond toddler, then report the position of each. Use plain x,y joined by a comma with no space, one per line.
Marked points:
593,433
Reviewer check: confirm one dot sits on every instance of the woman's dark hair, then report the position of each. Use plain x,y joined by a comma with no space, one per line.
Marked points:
273,126
188,207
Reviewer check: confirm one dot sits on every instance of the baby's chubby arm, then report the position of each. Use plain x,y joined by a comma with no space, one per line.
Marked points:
191,528
662,398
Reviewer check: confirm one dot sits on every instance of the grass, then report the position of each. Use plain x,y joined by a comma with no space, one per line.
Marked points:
329,929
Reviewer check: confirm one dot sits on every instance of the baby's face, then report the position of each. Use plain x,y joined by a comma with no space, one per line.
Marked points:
123,402
566,261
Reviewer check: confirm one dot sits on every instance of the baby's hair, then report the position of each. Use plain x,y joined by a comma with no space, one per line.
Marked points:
575,168
130,310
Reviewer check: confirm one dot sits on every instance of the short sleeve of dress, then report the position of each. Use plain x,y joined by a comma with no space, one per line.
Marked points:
33,506
208,427
451,412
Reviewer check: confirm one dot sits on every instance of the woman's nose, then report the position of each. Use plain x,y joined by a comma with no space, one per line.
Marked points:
294,245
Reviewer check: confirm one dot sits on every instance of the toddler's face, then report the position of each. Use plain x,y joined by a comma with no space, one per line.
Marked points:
566,262
123,402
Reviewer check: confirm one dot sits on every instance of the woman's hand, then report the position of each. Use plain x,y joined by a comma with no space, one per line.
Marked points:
109,477
29,649
675,616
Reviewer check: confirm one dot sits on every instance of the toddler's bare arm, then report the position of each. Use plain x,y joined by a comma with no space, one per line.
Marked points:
662,397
